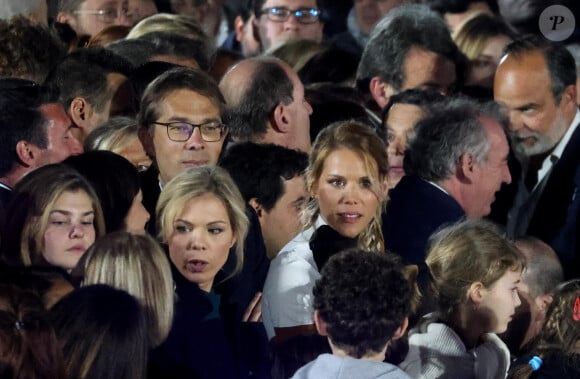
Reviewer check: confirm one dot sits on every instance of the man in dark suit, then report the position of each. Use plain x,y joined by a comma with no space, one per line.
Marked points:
181,127
454,165
536,81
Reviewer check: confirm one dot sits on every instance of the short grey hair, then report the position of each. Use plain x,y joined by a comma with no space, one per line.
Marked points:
402,28
452,129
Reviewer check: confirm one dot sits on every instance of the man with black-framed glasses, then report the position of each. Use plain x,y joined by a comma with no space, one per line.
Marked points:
89,17
279,21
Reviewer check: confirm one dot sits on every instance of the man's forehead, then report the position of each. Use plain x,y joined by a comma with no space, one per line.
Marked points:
292,4
101,4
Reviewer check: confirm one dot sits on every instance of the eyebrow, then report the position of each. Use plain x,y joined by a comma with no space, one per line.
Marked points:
69,213
183,119
209,223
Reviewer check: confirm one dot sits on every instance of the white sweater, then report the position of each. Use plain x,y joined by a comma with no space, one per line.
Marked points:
436,351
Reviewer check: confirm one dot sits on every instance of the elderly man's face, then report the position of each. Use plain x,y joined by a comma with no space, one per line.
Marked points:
537,120
272,33
488,176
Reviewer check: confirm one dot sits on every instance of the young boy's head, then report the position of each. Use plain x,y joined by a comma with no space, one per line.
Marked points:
361,302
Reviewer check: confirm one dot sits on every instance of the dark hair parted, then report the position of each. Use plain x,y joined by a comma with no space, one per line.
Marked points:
363,297
559,61
103,333
115,181
407,26
260,170
248,112
21,118
421,98
452,129
28,345
83,73
466,252
179,78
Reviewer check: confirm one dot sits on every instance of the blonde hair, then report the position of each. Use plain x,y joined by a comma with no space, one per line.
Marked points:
466,252
197,182
29,210
182,25
137,265
473,35
363,140
115,135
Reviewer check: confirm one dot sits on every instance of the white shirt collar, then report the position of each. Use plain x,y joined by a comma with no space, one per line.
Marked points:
551,159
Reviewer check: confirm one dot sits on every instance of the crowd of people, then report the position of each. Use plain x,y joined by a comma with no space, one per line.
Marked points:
288,189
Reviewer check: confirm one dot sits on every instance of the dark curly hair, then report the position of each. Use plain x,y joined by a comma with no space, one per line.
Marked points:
363,298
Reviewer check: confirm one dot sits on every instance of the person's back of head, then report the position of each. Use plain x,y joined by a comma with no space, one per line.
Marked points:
135,51
136,264
28,345
253,89
29,50
83,73
176,48
361,302
115,181
103,333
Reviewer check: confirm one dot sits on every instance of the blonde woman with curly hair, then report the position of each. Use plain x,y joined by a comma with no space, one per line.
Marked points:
346,180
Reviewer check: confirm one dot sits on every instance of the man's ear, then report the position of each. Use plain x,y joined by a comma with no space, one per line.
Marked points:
27,153
80,112
569,96
380,91
279,120
401,330
66,18
320,324
147,141
476,292
257,207
465,167
239,28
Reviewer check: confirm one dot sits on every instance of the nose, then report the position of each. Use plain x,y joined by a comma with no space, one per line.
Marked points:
308,107
515,121
124,19
77,231
507,177
196,240
195,142
351,194
292,23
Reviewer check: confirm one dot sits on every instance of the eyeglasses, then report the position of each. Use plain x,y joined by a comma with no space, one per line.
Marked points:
282,14
181,131
108,15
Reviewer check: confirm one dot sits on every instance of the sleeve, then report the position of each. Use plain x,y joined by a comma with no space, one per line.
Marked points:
287,298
